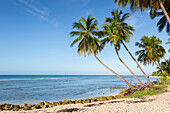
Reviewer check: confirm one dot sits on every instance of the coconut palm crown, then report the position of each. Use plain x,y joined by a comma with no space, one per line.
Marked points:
86,35
116,31
88,42
143,4
151,50
162,23
116,28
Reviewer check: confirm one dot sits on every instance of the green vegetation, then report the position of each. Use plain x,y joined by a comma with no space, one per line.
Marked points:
151,53
162,23
168,43
118,87
165,67
164,82
139,94
151,50
153,5
88,42
162,86
117,31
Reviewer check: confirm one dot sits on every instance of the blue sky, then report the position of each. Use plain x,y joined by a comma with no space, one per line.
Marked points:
34,37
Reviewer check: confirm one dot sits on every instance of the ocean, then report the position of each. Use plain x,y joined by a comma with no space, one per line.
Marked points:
20,89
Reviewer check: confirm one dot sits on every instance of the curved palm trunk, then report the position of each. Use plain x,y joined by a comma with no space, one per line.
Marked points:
167,65
110,69
136,63
164,10
127,66
165,61
157,65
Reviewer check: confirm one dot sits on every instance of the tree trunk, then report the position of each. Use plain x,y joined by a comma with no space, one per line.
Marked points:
165,61
110,69
157,65
136,63
168,66
127,66
164,10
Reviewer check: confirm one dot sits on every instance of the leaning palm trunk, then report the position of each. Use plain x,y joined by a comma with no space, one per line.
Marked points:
157,65
136,63
110,69
165,61
127,66
164,10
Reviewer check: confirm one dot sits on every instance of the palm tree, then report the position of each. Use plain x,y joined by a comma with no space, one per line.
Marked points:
168,43
151,51
125,30
165,67
114,36
143,4
162,23
88,42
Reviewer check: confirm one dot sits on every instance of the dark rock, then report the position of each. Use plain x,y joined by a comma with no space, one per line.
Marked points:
86,101
54,103
101,98
45,106
16,108
37,106
67,102
26,108
93,100
46,103
79,101
32,108
23,105
110,97
40,104
68,110
59,102
117,96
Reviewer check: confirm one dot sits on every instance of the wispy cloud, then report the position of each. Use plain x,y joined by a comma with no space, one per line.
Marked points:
135,21
89,12
35,8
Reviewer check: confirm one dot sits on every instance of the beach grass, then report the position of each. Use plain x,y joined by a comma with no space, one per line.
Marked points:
161,86
139,94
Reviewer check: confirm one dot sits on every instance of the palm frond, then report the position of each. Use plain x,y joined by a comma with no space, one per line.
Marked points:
76,40
78,25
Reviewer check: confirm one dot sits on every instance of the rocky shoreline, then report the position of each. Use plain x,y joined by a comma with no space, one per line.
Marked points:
42,105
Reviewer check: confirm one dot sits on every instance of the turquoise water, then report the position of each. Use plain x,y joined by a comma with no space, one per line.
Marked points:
19,89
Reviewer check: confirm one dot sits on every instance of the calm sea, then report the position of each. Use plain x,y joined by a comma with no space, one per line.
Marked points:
19,89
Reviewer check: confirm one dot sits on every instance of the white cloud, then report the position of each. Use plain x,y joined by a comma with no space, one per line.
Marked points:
135,21
89,12
35,8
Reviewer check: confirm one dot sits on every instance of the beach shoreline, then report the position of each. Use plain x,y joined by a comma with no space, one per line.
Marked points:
155,76
148,104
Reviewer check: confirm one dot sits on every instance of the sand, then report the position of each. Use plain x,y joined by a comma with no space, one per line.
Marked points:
148,104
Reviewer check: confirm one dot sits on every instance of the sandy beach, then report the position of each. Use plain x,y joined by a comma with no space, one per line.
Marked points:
148,104
155,76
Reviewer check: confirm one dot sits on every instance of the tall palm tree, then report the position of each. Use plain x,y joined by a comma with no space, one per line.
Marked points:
151,51
112,28
165,67
142,4
123,29
162,23
87,30
168,43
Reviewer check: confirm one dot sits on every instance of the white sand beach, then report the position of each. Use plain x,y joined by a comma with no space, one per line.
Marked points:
148,104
